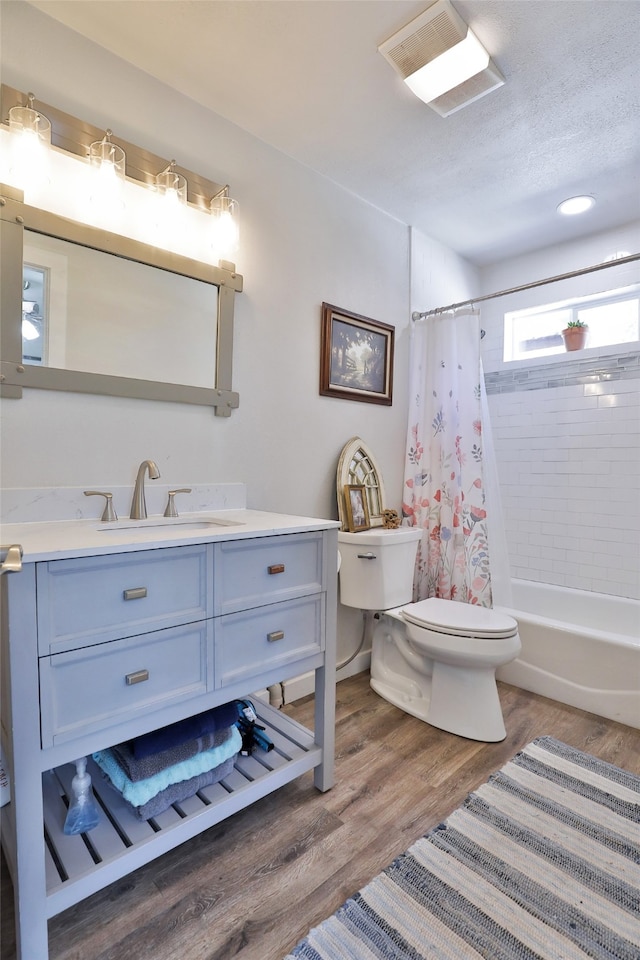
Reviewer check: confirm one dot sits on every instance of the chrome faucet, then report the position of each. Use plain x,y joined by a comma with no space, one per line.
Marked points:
138,504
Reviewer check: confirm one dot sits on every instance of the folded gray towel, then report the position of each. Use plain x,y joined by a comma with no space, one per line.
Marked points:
140,769
180,791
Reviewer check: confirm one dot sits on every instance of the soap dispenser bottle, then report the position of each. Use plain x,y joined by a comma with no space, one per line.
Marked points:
83,813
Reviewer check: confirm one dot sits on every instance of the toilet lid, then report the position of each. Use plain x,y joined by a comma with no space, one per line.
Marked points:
463,619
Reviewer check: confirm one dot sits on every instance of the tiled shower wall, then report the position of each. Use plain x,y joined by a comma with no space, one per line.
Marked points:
568,462
567,438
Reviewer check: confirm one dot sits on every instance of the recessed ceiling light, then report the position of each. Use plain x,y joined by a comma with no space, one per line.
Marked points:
575,205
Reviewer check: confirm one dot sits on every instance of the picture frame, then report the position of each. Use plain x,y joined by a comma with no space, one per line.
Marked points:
356,507
356,357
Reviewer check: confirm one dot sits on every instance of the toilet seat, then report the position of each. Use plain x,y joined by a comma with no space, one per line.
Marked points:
460,619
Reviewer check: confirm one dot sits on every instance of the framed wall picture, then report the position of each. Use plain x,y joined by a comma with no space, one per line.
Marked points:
356,509
356,361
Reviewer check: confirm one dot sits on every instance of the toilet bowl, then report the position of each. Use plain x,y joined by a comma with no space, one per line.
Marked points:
435,659
460,646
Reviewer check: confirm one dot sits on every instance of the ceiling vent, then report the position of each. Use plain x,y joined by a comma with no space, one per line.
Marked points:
441,60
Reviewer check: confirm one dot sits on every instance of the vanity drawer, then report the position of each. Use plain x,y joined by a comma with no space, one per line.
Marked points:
249,573
249,643
97,599
86,690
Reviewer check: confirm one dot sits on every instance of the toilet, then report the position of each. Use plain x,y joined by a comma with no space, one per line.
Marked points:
435,659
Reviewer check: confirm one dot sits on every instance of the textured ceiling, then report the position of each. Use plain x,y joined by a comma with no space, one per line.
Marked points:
306,77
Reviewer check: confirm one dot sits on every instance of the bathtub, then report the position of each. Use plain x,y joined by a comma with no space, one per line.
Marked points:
578,647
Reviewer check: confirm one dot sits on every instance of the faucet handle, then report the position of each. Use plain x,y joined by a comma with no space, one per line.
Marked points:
170,510
108,513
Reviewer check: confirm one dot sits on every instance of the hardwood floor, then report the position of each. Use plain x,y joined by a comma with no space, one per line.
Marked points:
252,886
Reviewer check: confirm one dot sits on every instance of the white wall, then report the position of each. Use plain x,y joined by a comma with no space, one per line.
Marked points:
303,241
438,275
567,431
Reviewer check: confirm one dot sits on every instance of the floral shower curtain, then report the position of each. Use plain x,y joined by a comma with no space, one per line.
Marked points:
444,490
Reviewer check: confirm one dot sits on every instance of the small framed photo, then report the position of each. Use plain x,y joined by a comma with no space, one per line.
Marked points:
357,510
356,361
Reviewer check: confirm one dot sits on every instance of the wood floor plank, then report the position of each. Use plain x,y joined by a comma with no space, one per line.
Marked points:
252,886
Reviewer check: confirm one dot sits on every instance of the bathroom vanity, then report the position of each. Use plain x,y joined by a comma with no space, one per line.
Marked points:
111,631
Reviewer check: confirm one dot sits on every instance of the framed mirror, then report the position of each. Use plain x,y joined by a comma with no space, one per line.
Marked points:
84,310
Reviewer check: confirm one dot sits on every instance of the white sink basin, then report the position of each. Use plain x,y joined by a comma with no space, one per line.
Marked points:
182,523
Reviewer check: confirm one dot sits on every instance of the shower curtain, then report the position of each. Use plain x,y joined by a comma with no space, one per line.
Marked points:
450,479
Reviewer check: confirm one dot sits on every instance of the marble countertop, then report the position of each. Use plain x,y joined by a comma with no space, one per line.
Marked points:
61,539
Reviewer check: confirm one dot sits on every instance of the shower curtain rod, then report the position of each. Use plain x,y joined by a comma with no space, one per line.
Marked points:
527,286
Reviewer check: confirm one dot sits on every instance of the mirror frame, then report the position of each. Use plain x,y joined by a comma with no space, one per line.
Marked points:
15,217
357,465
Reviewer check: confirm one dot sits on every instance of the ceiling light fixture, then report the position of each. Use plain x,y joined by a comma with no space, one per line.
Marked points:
441,60
575,205
450,69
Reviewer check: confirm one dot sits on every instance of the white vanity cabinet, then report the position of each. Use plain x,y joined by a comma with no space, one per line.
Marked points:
99,647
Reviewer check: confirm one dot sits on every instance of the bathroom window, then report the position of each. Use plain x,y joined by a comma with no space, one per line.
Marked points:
612,317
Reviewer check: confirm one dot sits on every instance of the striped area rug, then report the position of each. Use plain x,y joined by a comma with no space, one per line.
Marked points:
542,861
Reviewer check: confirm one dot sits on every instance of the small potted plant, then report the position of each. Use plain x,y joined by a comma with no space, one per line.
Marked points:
575,335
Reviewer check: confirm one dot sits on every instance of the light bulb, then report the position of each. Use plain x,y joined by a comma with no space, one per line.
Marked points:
224,211
575,205
31,140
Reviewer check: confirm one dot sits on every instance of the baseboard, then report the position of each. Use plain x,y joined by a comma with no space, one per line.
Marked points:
261,695
302,686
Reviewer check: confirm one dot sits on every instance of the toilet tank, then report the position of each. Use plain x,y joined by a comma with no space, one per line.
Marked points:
376,567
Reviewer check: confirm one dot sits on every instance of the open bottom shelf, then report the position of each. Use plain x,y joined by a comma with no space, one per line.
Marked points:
77,866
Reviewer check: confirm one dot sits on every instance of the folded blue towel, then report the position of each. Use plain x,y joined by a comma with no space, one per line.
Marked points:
189,729
140,769
142,791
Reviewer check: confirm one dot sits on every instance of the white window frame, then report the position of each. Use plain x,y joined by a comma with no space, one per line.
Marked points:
571,308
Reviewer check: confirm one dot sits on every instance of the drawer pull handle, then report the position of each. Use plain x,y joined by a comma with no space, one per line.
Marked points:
367,556
136,593
275,635
276,568
138,677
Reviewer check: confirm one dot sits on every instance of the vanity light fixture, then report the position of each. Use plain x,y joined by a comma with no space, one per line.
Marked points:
575,205
107,158
107,167
224,210
171,185
89,180
31,141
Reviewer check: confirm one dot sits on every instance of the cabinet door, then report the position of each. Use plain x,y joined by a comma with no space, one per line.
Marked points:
97,599
250,573
250,643
91,689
